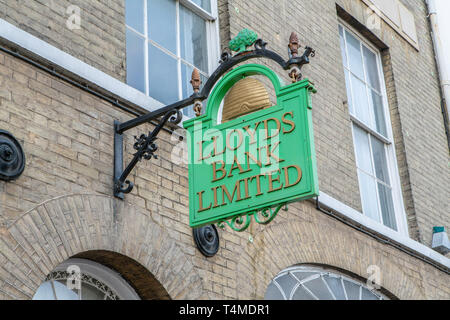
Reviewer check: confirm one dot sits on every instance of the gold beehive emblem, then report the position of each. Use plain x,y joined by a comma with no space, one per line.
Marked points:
246,96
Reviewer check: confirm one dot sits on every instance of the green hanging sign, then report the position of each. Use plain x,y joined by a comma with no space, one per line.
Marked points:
255,164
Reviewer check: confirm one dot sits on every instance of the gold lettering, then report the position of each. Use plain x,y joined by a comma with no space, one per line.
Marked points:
216,205
255,160
216,153
252,134
286,176
237,187
238,166
272,180
266,127
247,194
222,169
288,122
200,151
258,183
270,153
241,139
200,200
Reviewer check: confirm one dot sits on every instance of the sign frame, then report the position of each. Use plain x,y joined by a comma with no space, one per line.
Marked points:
295,98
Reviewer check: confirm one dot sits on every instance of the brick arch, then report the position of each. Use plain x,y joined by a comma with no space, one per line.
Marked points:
291,243
75,225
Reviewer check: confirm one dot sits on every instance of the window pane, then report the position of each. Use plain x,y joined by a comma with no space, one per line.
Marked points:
303,275
349,92
387,206
163,80
335,285
364,159
302,294
354,55
205,4
186,76
344,53
91,293
44,292
360,101
134,14
273,293
367,295
64,293
370,61
378,111
352,290
135,61
319,289
287,282
193,39
369,197
380,161
162,23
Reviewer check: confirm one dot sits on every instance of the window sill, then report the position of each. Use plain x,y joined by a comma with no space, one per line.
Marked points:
358,219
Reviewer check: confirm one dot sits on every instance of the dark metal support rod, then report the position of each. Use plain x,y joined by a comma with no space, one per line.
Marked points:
118,159
125,126
226,65
145,145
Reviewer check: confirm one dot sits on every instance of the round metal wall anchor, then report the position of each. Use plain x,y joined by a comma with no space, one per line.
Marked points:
12,157
207,240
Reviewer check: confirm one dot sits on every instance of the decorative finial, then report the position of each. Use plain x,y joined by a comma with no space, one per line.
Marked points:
244,39
293,45
196,82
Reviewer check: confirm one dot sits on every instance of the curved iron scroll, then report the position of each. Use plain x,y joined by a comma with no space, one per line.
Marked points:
146,147
145,144
242,222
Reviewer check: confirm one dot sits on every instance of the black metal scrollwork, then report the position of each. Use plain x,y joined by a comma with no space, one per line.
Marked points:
225,56
260,44
124,187
145,145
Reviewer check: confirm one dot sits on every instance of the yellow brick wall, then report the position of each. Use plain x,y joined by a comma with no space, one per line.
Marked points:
62,207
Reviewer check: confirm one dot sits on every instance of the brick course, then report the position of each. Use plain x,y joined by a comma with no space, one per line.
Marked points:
411,79
62,207
100,42
113,232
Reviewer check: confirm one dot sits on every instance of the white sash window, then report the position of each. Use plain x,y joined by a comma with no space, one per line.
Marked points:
166,40
372,133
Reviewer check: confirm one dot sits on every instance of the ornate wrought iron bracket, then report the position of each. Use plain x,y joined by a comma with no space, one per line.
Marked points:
145,145
207,237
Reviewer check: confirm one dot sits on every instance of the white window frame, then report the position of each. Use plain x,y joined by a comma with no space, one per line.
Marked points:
212,40
394,176
103,274
319,273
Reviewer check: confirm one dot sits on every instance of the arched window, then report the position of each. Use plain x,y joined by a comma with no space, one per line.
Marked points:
313,283
80,279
